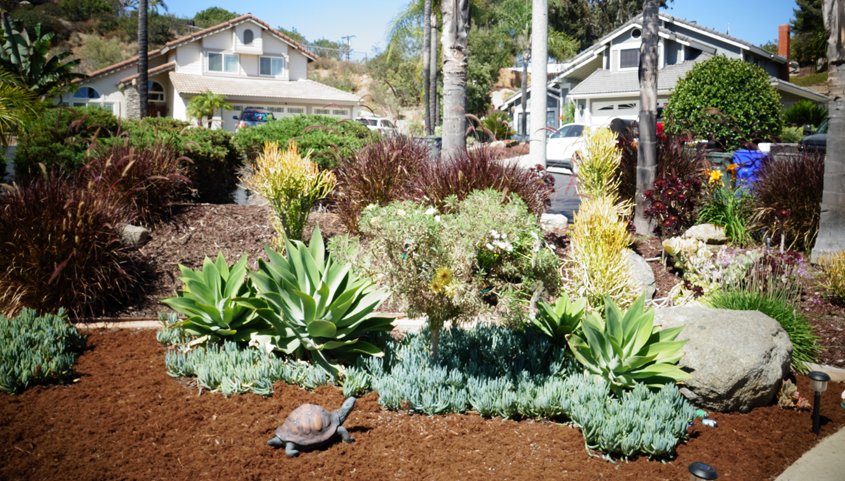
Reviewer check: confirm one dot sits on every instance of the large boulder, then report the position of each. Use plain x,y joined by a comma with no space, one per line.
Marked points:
737,359
641,272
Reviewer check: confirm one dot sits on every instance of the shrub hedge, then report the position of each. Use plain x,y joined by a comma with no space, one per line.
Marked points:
329,140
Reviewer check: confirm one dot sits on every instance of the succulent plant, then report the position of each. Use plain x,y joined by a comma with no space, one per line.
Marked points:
209,300
318,308
625,348
560,319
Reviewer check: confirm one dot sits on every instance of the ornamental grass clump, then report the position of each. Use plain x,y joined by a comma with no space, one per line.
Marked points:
833,280
292,184
598,174
727,205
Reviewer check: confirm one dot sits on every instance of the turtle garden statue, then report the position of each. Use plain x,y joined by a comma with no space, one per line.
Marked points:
310,426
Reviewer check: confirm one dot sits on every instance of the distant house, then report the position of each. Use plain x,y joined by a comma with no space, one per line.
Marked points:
244,59
602,80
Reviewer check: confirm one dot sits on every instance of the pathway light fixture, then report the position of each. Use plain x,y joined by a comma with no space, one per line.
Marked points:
818,383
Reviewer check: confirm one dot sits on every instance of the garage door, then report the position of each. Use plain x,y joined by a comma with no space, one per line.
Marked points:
601,113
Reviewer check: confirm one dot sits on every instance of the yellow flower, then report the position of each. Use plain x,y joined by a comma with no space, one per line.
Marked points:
715,176
441,281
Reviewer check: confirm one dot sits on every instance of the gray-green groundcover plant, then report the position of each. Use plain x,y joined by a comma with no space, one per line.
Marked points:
36,349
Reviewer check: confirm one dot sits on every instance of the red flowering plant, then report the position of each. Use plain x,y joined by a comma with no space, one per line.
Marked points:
673,204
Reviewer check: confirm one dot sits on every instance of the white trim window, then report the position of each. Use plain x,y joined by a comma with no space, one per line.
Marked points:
223,62
629,58
155,92
271,66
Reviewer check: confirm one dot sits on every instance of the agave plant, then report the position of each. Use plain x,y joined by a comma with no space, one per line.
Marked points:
561,319
318,308
209,300
625,348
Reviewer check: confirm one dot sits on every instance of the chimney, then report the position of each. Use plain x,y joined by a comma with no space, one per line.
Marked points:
783,49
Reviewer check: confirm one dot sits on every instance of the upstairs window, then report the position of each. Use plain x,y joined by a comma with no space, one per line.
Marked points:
271,66
629,58
222,62
248,37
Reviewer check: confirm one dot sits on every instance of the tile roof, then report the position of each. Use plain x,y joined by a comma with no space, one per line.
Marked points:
607,81
203,33
153,71
307,90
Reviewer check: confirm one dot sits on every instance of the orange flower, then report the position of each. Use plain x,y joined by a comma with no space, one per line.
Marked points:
732,168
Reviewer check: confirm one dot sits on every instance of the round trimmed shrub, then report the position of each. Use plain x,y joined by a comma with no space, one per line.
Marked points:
328,140
725,100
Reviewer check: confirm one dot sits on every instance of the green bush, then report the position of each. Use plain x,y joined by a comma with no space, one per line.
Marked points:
329,140
804,112
726,100
488,251
731,209
805,343
36,349
560,319
212,158
61,138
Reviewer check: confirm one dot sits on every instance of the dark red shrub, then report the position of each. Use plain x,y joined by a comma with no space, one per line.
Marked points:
673,204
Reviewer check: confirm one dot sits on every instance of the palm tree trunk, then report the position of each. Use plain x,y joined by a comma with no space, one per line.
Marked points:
143,60
831,238
647,149
539,67
426,61
432,96
455,54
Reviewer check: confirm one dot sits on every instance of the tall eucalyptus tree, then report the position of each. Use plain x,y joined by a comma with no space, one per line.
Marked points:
647,149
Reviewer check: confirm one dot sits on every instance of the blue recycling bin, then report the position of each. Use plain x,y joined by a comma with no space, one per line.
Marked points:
748,163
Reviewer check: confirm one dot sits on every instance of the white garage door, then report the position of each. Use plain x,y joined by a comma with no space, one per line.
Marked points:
603,112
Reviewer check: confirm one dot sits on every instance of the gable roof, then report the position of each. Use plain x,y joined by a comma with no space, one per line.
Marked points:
302,89
609,82
177,42
637,21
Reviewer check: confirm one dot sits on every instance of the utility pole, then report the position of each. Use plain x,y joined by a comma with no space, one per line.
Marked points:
348,48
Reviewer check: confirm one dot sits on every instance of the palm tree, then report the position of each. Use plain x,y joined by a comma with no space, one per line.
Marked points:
831,238
205,104
143,57
17,104
30,60
539,66
455,55
647,150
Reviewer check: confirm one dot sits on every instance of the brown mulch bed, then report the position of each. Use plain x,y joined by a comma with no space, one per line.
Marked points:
124,418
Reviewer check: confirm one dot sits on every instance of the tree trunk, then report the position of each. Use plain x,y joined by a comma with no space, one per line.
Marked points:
539,67
647,148
831,238
435,64
426,61
143,58
455,54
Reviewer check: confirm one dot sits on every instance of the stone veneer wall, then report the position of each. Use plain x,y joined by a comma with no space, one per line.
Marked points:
133,102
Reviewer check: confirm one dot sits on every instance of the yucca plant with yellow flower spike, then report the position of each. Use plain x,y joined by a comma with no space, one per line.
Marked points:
292,184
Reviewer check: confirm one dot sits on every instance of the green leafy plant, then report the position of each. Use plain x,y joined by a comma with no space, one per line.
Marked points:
205,104
805,343
730,208
209,300
560,319
292,184
805,112
625,348
329,140
708,103
497,124
36,349
318,308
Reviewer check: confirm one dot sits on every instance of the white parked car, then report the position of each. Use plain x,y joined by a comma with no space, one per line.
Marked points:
379,124
562,144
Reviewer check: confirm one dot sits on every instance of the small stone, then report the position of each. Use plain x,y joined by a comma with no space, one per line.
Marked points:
554,223
134,236
707,233
709,423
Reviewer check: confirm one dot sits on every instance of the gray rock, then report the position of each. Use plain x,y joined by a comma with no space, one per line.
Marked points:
707,233
737,359
641,272
554,223
134,236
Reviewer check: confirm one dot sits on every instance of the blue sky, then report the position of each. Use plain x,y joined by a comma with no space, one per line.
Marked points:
755,21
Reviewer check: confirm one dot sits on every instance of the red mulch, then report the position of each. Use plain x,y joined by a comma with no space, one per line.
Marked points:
126,419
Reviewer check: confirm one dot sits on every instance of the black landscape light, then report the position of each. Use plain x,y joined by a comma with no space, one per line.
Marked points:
818,383
698,471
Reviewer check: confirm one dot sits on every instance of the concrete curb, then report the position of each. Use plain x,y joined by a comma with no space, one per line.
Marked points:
836,374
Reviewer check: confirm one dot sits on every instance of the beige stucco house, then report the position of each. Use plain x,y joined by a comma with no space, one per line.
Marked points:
244,59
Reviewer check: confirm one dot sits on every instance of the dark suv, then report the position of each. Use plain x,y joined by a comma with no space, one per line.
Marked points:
252,117
815,142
